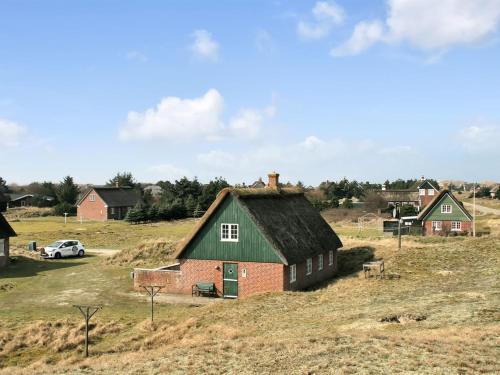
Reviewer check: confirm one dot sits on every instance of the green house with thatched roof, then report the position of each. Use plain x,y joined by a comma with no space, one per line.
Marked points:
253,241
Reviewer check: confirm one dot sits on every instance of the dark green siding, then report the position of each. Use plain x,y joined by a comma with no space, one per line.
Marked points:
427,185
455,215
251,247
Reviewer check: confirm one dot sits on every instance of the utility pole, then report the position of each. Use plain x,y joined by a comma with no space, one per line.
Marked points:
87,312
152,290
399,233
474,212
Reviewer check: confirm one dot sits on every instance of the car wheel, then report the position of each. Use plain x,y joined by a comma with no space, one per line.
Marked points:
57,256
80,253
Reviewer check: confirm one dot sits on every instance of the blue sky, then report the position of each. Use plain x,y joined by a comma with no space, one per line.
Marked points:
313,89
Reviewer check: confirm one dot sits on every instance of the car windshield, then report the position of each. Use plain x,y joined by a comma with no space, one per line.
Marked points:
55,244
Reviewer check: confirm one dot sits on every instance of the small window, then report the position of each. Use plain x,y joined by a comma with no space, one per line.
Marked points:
430,192
437,225
330,258
421,191
446,209
320,262
456,225
2,247
293,273
309,266
229,232
112,210
92,197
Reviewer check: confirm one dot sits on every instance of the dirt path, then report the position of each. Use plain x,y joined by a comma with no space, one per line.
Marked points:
103,252
486,210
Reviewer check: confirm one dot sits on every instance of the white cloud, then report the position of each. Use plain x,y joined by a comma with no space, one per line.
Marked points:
365,34
204,46
326,15
177,119
136,56
428,25
217,159
480,138
248,123
169,171
10,133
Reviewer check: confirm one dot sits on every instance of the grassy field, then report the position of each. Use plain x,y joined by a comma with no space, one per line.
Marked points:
337,328
492,203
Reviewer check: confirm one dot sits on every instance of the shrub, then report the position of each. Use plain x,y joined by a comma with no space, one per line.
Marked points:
62,208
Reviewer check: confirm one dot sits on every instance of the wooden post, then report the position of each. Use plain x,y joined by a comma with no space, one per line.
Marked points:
87,312
399,233
474,212
152,290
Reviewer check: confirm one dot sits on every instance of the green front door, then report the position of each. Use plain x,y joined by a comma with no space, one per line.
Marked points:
230,280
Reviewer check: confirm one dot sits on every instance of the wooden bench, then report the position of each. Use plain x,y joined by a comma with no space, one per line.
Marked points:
204,288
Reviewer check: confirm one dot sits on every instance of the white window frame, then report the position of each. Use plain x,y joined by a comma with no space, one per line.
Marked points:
112,210
320,262
330,258
309,266
92,197
3,245
421,192
435,225
445,207
456,226
230,228
430,192
293,273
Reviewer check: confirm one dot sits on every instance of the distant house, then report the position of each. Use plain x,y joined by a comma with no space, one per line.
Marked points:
445,214
493,191
259,184
419,195
21,200
251,241
106,203
6,232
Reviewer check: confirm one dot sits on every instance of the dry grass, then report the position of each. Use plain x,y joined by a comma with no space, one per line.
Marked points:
151,253
335,329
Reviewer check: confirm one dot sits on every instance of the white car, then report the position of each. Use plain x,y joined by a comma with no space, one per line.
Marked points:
64,248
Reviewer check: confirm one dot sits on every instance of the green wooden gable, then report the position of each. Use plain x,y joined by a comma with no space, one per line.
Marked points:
427,185
457,212
252,246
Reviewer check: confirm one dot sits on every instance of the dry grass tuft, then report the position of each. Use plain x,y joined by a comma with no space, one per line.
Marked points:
149,252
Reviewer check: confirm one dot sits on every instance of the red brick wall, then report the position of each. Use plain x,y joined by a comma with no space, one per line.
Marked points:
304,281
260,277
446,227
92,210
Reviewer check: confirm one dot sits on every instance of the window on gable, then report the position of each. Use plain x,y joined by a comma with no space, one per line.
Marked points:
293,273
229,232
456,225
446,209
92,197
309,266
430,192
330,258
320,262
421,191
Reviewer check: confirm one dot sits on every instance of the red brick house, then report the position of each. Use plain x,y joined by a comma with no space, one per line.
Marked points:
252,241
6,232
106,203
419,195
445,215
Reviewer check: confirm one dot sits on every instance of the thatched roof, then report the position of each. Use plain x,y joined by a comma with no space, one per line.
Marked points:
294,228
5,228
423,214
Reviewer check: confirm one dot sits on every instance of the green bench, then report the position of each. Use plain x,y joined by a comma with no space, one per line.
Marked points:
203,288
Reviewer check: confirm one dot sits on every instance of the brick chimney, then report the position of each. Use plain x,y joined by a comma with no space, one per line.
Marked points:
117,184
422,178
273,180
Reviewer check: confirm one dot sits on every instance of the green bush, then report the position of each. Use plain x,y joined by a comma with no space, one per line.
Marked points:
62,208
